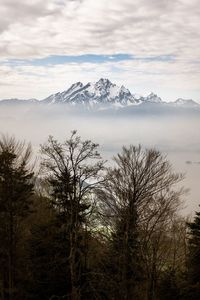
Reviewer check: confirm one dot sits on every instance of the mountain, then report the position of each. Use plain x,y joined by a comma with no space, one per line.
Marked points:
103,94
153,98
185,102
15,101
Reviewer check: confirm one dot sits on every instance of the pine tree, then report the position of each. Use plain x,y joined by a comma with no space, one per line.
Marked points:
194,256
73,172
16,188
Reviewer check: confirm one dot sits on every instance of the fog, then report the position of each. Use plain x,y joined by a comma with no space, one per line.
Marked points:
174,133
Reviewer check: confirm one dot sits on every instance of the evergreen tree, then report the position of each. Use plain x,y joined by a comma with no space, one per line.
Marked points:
16,188
48,248
73,172
194,257
168,287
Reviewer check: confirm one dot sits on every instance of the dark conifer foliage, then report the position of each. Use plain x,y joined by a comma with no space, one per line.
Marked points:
194,247
81,231
16,188
48,248
194,257
73,173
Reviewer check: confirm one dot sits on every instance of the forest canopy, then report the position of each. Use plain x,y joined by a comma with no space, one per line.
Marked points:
83,228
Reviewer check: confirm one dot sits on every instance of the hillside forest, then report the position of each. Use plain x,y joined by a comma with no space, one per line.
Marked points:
76,227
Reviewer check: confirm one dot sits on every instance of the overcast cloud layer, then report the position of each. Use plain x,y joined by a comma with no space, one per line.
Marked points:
162,36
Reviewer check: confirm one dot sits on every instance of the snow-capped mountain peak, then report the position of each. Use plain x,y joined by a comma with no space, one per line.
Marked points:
101,92
153,98
103,83
185,102
76,86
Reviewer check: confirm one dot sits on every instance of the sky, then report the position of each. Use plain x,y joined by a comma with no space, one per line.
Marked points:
46,45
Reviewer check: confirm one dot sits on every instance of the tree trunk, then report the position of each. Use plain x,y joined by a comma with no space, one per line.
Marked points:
75,292
10,259
152,284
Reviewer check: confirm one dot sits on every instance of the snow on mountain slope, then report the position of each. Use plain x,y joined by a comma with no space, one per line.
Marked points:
98,93
153,98
102,92
101,95
185,102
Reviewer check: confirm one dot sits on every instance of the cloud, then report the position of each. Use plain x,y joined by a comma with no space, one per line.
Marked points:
62,59
161,36
168,78
41,28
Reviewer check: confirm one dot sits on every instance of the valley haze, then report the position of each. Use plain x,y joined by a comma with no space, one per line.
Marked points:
120,77
112,116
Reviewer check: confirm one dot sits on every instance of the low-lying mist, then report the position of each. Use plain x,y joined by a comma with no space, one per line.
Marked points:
174,134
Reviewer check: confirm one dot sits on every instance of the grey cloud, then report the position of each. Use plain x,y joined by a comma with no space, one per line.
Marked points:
154,27
143,28
5,84
23,12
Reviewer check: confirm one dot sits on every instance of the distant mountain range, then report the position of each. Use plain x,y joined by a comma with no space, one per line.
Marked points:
102,93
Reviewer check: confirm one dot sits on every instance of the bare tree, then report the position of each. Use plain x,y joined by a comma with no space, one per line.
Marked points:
73,173
137,196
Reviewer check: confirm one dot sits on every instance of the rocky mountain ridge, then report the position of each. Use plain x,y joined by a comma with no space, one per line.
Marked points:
101,93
